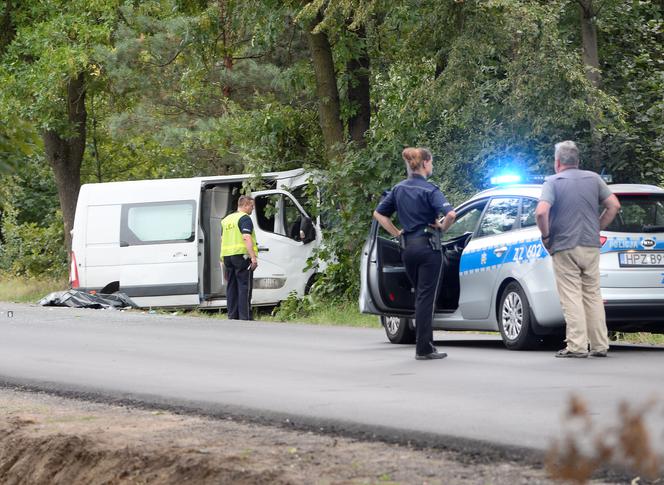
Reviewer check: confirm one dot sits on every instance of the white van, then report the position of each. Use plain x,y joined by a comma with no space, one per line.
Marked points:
161,239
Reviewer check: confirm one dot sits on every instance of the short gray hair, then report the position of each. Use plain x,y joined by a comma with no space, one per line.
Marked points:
567,153
244,200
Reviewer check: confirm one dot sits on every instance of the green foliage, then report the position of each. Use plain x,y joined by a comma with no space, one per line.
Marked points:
31,249
54,42
32,241
632,53
319,310
17,140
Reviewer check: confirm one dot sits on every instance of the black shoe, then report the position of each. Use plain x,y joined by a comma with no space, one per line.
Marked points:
598,353
432,356
564,353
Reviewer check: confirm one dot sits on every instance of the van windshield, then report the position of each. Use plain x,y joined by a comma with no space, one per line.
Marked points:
639,213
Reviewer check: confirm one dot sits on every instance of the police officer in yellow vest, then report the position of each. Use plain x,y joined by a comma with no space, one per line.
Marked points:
238,253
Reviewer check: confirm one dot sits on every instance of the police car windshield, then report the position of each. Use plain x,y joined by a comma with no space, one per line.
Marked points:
639,213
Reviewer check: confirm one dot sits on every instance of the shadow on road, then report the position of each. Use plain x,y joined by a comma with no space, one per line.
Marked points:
546,346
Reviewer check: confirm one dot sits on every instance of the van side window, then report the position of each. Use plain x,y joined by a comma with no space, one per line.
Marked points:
157,223
499,217
266,207
278,214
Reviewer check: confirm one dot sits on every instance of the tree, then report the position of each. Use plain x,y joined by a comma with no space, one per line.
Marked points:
44,69
327,93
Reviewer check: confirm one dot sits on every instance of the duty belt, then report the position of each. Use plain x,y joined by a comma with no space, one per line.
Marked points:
417,241
433,240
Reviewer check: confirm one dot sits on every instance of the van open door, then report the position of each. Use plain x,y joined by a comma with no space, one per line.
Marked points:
286,237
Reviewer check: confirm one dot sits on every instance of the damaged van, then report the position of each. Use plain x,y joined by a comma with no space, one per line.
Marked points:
161,239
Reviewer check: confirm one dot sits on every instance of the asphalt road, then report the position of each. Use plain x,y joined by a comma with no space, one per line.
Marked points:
347,378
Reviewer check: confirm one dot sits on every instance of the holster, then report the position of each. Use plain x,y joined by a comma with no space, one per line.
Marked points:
402,241
435,238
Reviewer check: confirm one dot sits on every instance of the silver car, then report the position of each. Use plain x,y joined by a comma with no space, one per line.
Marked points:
498,277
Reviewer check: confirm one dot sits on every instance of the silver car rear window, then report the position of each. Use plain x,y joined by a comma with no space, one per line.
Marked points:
639,213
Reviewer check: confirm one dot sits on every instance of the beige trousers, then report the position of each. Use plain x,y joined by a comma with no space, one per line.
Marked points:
577,279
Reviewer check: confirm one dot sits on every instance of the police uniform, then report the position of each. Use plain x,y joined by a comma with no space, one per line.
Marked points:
237,265
418,204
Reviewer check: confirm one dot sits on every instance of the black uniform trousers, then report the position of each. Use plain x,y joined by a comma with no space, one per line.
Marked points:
423,267
240,284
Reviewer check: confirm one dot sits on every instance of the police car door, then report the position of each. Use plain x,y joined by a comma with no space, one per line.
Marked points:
286,238
483,257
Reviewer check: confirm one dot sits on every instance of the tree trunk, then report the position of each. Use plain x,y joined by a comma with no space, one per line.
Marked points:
329,109
590,54
65,155
359,92
589,42
7,27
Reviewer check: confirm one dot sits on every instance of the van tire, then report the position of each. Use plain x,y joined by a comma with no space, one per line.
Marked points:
515,319
398,330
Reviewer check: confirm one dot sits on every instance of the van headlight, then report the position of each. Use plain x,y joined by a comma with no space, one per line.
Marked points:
269,283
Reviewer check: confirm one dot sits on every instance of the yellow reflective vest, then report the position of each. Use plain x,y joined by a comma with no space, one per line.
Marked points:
231,237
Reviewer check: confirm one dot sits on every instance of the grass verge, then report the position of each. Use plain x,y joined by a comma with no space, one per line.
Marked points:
640,338
28,290
328,313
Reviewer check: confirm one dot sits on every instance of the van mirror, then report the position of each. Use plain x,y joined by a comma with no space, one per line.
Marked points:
307,230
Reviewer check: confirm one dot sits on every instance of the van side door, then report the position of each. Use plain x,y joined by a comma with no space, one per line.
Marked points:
149,247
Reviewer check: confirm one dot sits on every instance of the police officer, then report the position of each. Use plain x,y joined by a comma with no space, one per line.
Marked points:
238,252
418,205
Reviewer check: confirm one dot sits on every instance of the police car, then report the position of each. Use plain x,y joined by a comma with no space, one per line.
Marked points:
498,276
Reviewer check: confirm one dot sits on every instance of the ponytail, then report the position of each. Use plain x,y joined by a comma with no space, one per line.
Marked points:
415,157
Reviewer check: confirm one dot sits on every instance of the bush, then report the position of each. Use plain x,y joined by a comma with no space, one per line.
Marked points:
30,249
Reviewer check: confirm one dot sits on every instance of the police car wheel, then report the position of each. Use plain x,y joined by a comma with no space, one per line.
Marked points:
398,330
514,319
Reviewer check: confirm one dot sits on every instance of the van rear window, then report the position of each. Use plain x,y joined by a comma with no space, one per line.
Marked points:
639,213
157,223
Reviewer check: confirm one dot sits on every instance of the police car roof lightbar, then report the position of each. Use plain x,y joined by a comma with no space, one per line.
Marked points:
505,179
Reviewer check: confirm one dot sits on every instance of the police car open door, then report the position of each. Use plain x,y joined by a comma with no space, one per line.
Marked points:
388,286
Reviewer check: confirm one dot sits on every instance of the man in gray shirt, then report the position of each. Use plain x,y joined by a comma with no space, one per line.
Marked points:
568,216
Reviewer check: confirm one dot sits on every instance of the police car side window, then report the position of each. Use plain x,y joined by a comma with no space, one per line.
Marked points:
499,217
528,212
466,221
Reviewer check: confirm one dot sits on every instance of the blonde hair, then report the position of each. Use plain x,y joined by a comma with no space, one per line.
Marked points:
415,157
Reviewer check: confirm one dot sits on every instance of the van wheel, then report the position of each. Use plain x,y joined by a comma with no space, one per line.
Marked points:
514,319
398,330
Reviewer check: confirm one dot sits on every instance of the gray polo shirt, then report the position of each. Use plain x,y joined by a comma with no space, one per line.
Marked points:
576,198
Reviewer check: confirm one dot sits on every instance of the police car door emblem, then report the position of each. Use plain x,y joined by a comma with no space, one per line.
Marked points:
483,259
648,243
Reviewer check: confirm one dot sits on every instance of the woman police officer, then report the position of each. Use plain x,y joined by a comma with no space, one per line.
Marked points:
418,204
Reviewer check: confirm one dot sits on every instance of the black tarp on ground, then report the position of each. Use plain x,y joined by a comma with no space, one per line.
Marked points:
81,299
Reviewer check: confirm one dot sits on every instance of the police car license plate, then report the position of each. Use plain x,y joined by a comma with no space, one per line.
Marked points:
642,259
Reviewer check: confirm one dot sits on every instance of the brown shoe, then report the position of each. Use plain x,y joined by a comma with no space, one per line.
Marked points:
564,353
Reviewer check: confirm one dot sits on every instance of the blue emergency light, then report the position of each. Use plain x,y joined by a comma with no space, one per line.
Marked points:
505,179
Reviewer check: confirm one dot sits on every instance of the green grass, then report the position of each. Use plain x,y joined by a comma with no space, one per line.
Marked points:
28,290
341,314
640,338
